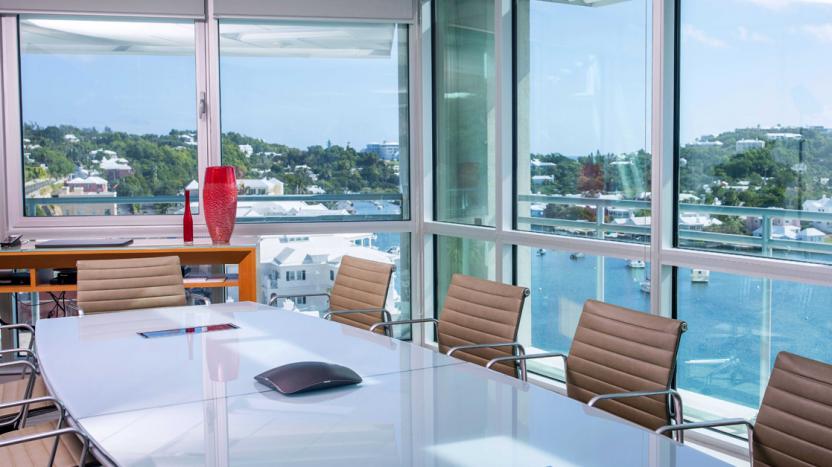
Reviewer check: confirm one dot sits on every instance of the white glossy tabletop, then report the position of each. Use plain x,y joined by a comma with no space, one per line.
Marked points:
192,400
445,416
98,364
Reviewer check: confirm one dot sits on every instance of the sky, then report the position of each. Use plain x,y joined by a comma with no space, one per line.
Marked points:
744,63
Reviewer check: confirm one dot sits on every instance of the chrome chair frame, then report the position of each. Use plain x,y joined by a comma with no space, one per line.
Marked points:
385,315
20,418
682,427
517,347
57,433
676,399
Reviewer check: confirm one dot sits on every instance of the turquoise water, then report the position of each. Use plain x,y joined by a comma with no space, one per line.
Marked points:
720,355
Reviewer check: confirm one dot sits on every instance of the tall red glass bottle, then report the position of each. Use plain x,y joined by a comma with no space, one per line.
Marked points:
188,220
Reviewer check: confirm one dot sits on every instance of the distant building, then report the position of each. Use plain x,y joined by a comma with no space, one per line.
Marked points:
538,164
246,149
386,151
541,179
70,138
820,205
744,145
115,168
89,187
706,143
263,186
86,185
784,136
753,223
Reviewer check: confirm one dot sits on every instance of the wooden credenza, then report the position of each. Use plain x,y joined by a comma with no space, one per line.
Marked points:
202,252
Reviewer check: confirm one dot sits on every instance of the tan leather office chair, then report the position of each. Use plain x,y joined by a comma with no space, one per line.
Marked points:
622,361
478,322
45,444
129,284
794,424
358,294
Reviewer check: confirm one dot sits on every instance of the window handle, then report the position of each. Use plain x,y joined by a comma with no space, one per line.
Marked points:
203,105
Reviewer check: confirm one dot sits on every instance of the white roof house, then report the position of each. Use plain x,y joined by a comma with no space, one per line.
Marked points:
70,138
246,149
115,163
818,205
87,181
539,164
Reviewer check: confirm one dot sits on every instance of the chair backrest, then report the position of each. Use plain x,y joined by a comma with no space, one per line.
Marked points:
794,424
479,311
361,284
617,350
129,284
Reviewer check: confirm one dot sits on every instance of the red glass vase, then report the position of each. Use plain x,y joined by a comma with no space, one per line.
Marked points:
219,198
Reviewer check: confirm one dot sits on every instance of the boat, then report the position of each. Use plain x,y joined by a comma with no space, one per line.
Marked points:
700,276
541,252
577,255
394,250
635,264
645,286
378,205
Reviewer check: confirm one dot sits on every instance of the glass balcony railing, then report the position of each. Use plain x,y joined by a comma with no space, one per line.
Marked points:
250,208
770,232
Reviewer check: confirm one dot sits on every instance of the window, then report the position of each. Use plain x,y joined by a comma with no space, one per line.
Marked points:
736,327
109,115
556,300
318,254
755,147
464,120
582,96
461,256
315,117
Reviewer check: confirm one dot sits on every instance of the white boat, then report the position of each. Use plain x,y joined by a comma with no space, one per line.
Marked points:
541,252
700,276
577,255
635,264
645,286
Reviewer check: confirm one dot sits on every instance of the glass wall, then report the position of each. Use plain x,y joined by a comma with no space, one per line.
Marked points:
461,256
736,327
755,145
557,299
464,113
582,124
109,115
315,117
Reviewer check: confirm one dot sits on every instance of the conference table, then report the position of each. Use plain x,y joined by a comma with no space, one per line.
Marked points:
191,398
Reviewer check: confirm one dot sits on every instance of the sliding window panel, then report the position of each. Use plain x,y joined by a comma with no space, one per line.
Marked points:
315,118
109,115
755,128
464,112
736,327
456,255
582,88
557,299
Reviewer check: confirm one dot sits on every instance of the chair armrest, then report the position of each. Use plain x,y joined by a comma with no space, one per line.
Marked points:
524,375
273,300
678,418
682,427
196,297
21,327
385,315
29,352
514,345
405,321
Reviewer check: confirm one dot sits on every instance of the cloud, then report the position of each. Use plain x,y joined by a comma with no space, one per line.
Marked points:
821,32
702,37
747,35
